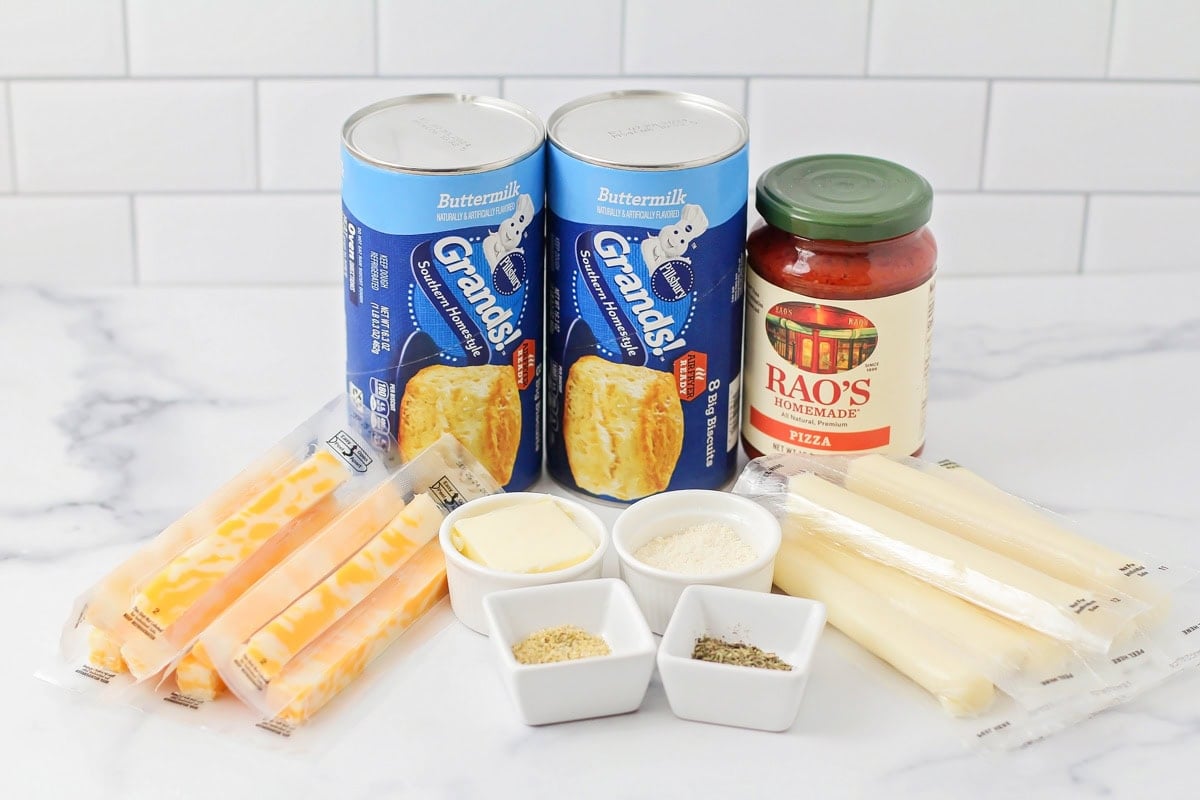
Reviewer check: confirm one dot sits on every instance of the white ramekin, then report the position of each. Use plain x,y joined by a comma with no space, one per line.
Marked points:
470,582
657,590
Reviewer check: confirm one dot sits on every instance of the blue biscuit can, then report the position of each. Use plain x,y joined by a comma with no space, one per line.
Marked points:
442,229
646,229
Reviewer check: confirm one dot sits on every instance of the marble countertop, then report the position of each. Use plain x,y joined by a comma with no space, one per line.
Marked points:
121,408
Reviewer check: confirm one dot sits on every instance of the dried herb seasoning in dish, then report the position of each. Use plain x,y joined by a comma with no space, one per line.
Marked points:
564,643
739,654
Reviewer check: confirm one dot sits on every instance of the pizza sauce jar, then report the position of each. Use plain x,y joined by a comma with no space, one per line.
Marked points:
839,308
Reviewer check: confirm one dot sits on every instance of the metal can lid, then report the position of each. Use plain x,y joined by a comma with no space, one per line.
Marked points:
648,130
847,197
439,134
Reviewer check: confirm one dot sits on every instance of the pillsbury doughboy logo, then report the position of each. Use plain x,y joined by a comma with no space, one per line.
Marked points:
671,275
503,250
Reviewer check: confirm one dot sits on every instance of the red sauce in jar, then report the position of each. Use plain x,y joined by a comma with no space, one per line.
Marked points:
850,375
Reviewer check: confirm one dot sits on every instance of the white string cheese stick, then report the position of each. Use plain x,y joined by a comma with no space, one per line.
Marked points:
1007,587
991,638
968,506
884,630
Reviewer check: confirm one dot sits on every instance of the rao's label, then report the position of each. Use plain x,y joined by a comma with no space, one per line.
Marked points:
835,376
444,310
644,325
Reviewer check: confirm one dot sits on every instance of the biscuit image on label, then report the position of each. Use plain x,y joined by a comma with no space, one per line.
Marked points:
623,428
479,406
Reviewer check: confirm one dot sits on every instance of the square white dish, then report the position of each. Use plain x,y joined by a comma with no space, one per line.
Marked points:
725,694
583,688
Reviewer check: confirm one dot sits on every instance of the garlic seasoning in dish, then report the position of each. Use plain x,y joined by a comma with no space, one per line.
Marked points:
839,308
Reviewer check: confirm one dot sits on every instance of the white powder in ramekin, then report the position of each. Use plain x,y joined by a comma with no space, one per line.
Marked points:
700,549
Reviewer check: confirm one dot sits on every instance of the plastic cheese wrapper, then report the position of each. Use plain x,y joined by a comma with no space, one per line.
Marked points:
986,515
261,642
1086,619
951,611
141,620
343,651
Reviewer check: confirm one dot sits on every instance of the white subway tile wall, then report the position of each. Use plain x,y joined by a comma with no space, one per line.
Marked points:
1141,232
935,127
62,37
6,148
66,239
131,136
237,238
196,141
1008,234
1156,39
251,37
718,37
1009,39
499,37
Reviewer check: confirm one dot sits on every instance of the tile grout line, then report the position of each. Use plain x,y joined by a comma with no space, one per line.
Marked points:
746,97
11,124
378,34
500,86
867,48
800,77
133,243
621,44
1087,211
1108,47
125,35
257,139
987,122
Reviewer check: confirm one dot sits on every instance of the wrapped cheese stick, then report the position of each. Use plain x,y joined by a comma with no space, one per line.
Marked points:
186,578
1007,587
104,651
246,615
109,599
901,640
146,655
961,502
277,642
262,631
993,639
340,655
196,677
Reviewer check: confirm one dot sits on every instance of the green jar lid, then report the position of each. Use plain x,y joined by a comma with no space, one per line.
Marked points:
846,197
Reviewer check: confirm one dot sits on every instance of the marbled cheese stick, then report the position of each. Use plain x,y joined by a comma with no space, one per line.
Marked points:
110,598
889,633
104,651
985,516
340,655
196,676
185,580
1005,586
314,612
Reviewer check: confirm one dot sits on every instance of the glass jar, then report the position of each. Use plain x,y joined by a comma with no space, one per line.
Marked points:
839,308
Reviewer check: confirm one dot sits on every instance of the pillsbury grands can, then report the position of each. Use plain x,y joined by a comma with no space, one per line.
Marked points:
442,198
646,228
